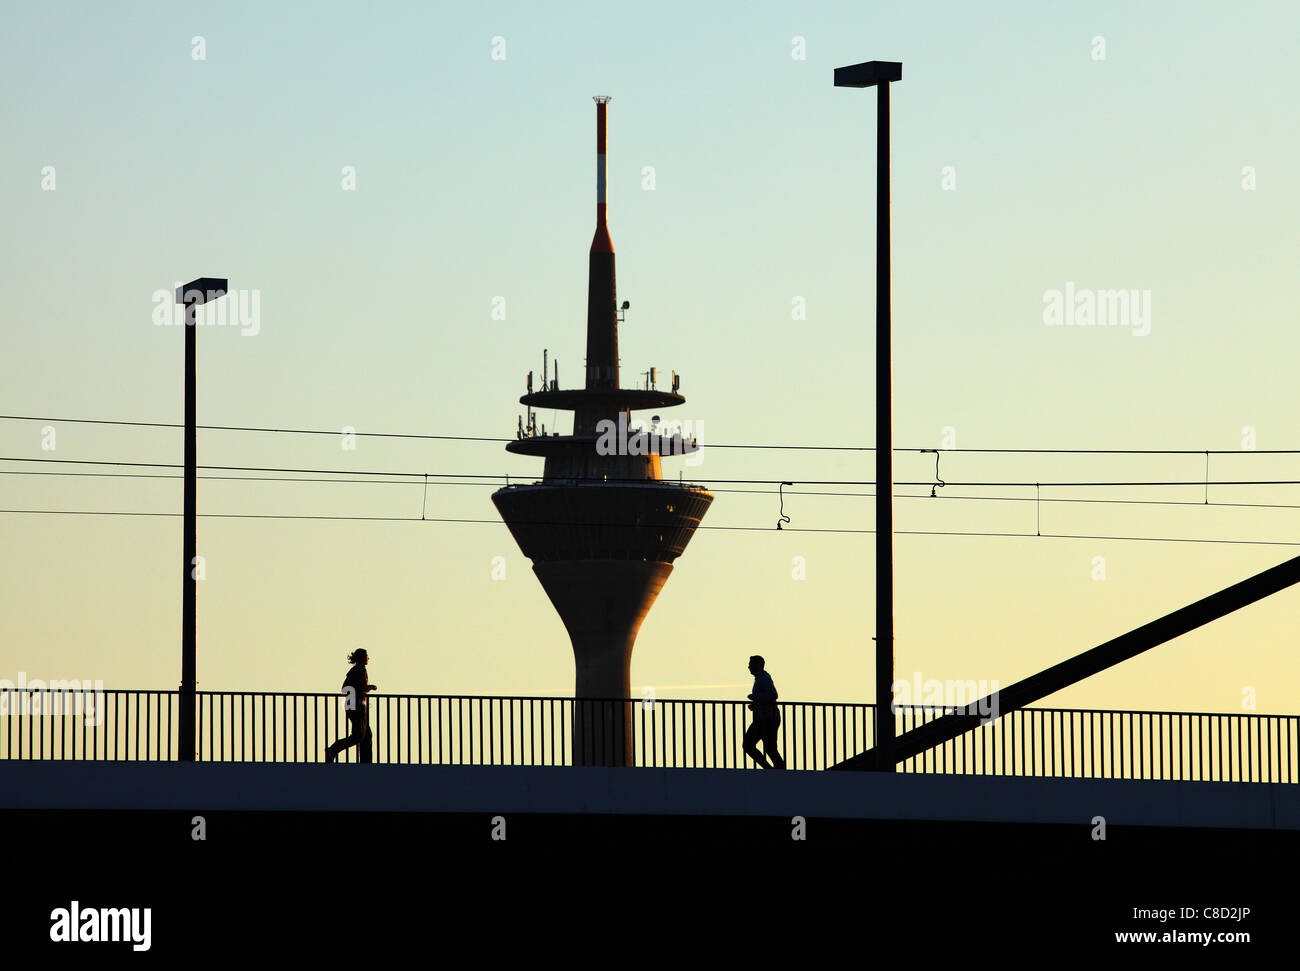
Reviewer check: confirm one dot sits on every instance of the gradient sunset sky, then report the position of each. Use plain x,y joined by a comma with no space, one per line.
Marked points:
1022,162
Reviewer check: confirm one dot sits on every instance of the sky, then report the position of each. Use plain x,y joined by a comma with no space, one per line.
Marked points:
406,190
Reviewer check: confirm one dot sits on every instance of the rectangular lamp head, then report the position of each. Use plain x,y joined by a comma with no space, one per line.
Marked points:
202,290
868,73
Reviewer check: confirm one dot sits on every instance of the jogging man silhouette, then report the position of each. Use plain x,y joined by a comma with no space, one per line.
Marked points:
767,719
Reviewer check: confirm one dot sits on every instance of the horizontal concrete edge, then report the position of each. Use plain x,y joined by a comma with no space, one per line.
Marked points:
228,786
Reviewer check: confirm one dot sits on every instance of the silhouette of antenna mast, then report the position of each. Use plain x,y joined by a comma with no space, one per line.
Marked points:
602,527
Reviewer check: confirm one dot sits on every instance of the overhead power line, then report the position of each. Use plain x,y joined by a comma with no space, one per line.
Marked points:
856,482
252,428
418,481
747,529
810,448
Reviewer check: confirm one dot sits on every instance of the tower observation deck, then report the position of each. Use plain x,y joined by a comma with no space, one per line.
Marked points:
602,527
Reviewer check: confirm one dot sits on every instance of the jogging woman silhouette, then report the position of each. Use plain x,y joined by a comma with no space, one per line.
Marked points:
354,700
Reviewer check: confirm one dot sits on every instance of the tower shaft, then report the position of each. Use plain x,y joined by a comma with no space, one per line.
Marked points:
602,604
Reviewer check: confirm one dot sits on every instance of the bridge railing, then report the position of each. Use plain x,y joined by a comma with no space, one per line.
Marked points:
253,726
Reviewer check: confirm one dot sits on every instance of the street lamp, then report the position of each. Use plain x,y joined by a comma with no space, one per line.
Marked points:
879,74
203,290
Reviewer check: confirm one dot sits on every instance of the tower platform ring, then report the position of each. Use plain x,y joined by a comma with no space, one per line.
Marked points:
617,399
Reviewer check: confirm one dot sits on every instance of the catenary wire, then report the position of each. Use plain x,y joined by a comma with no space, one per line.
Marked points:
506,477
815,448
764,529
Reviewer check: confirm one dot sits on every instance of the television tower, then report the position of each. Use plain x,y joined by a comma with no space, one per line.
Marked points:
602,527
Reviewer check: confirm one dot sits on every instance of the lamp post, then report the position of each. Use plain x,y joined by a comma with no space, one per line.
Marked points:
879,74
203,290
